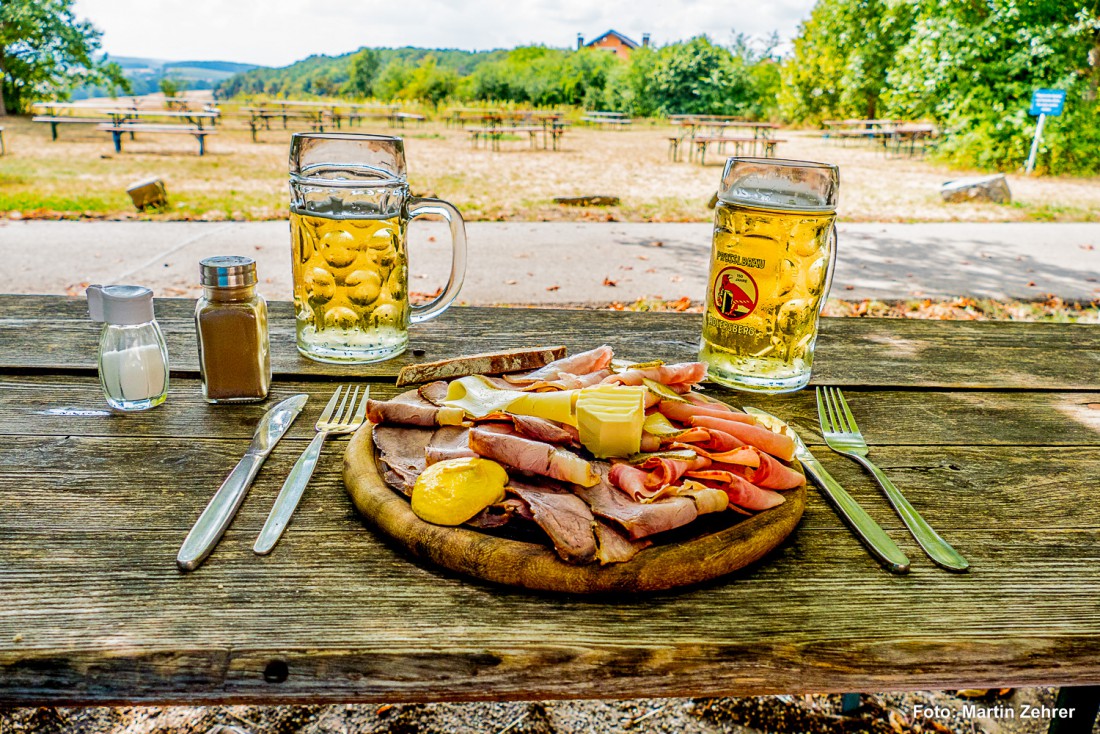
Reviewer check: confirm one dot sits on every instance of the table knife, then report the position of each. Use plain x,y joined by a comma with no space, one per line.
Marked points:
213,521
863,525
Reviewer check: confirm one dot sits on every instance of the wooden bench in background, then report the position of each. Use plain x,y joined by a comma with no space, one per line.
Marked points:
493,135
3,150
55,120
742,145
117,131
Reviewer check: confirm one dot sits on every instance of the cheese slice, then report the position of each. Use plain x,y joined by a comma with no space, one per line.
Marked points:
479,397
610,419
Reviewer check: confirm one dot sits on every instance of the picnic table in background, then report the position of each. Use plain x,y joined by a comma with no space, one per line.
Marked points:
699,133
895,136
994,441
615,120
492,135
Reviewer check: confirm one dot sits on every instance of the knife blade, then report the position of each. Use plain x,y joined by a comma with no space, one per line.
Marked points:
214,520
872,535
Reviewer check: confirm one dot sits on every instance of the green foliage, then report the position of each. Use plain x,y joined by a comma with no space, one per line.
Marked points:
973,67
361,72
46,51
841,58
170,86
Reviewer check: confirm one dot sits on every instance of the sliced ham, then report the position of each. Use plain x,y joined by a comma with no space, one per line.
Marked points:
637,519
448,442
401,451
412,411
564,517
740,491
646,479
684,412
614,547
532,456
682,375
434,392
539,429
773,475
584,363
775,444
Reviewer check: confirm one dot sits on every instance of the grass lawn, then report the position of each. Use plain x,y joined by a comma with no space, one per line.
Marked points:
81,176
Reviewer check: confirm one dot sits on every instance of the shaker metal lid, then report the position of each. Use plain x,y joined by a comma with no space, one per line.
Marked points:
120,305
227,271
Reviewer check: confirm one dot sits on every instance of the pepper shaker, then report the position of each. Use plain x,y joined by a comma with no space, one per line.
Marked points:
231,321
133,358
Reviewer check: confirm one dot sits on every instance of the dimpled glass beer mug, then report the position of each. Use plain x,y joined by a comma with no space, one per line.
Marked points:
349,210
771,265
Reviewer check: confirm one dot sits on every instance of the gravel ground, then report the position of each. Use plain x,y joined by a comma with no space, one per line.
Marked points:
879,713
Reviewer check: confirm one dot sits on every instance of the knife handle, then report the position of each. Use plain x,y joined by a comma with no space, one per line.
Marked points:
214,520
862,524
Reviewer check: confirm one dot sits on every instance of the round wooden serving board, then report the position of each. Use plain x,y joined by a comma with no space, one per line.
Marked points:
535,566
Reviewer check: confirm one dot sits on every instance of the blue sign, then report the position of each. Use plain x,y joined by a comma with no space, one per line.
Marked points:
1047,102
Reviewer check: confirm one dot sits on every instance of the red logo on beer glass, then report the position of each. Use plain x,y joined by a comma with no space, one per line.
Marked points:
735,294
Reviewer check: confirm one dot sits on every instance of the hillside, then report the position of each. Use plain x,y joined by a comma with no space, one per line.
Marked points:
145,74
328,75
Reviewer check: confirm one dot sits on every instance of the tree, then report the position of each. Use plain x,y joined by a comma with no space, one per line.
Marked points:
46,51
362,71
170,86
841,57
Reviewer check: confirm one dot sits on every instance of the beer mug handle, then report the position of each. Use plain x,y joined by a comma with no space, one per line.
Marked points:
418,207
830,271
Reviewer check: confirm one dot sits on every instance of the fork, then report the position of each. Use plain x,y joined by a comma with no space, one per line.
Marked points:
842,435
333,420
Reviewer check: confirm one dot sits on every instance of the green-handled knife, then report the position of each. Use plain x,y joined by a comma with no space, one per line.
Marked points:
863,525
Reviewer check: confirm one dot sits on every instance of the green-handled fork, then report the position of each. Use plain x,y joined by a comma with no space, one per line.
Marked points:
842,435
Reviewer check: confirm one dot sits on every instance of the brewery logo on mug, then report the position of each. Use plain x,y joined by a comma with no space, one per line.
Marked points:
735,294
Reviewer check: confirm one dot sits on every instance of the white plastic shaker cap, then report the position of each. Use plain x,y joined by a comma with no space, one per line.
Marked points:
120,305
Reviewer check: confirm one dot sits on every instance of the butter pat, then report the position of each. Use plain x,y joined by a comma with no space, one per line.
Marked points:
610,419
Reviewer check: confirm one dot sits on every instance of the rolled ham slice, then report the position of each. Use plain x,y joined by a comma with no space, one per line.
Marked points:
584,363
684,412
740,492
674,376
771,474
410,413
643,481
775,444
532,456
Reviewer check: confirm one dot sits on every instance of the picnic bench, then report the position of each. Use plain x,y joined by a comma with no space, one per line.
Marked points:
613,119
990,428
117,131
741,145
3,150
492,135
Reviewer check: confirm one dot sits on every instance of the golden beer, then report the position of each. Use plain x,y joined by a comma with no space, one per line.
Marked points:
769,272
350,284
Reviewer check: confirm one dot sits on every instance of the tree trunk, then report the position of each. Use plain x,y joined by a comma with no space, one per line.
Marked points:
872,106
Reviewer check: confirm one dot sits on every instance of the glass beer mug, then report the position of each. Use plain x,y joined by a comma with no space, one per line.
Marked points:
771,266
349,210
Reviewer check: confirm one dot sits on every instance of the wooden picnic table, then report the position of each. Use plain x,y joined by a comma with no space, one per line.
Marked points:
992,430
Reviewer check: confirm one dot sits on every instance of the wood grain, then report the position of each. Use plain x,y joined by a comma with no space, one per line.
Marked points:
536,566
991,430
48,332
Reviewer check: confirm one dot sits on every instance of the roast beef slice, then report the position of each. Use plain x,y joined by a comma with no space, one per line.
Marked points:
564,517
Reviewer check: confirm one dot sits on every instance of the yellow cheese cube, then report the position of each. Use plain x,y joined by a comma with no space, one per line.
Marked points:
610,419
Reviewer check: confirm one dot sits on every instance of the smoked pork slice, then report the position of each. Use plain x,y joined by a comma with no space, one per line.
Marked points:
637,519
532,456
771,474
683,412
448,442
682,375
564,517
741,492
401,450
412,411
584,363
434,392
488,363
614,547
776,444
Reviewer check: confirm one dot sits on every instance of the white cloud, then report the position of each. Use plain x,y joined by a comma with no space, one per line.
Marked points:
279,32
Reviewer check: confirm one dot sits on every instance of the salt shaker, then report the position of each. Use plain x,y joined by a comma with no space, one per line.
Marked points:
133,358
231,322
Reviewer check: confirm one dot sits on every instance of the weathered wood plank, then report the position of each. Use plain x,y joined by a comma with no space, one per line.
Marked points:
867,352
72,483
72,405
1028,615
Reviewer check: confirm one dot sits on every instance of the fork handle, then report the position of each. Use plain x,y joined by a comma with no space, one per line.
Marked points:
289,496
938,549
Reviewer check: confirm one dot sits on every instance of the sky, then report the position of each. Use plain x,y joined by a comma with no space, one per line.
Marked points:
280,32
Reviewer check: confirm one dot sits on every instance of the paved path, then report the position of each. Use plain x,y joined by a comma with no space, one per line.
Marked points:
565,262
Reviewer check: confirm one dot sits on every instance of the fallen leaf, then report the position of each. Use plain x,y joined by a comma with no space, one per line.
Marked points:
431,239
509,282
897,723
553,288
1087,247
1031,284
651,270
383,709
609,282
643,257
656,243
849,287
675,278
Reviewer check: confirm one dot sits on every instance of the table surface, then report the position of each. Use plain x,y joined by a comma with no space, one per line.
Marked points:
991,429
